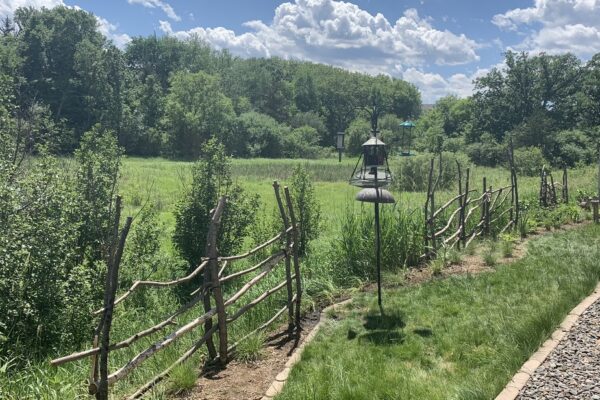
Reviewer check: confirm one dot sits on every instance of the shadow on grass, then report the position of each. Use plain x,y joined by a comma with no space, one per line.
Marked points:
384,329
387,321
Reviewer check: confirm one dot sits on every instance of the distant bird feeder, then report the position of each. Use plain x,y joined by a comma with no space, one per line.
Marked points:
373,175
339,144
406,138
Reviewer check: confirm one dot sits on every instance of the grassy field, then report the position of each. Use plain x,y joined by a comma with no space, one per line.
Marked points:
162,182
458,338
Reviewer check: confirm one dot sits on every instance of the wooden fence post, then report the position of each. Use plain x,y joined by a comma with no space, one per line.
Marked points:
565,183
426,210
515,188
554,199
461,201
288,247
208,324
463,221
595,204
100,388
295,246
213,270
488,212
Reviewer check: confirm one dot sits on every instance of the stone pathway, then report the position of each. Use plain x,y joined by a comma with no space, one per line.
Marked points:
572,369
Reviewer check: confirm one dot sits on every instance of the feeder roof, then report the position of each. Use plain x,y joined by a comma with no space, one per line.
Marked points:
372,195
373,141
408,124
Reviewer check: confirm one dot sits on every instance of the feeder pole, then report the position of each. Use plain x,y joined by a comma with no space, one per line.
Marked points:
378,242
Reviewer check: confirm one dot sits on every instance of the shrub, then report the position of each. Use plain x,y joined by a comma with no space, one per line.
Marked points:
308,209
487,151
529,161
211,178
411,173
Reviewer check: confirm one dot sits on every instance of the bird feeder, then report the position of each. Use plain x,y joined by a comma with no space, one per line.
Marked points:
339,144
406,138
373,175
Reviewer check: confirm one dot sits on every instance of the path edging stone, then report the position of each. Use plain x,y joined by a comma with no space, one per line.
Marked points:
277,385
520,379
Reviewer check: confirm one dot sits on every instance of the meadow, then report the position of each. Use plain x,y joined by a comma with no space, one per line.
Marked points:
160,183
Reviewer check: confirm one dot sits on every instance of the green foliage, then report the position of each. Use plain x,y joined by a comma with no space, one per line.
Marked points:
529,161
411,173
507,244
183,378
353,251
258,135
302,142
211,179
358,132
195,110
251,349
306,206
54,235
98,161
487,151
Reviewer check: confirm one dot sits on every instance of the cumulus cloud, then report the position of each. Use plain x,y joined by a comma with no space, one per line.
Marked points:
8,7
433,86
559,26
110,31
343,34
163,5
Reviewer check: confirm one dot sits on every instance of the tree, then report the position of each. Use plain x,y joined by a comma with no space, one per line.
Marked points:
195,110
258,135
49,44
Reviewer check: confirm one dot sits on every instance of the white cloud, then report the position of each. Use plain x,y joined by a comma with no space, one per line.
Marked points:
110,31
163,5
342,34
564,25
8,7
433,86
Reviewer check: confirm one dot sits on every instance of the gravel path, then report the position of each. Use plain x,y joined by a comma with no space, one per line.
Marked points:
572,370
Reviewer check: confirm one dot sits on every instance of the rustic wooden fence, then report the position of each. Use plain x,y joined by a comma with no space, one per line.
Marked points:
470,217
548,188
213,267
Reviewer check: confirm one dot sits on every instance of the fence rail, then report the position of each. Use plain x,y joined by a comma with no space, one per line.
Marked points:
461,226
212,268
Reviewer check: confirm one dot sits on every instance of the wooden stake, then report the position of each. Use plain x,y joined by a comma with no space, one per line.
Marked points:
288,268
213,269
296,257
111,289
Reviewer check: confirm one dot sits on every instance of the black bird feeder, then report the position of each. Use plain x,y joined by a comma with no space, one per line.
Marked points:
373,175
339,144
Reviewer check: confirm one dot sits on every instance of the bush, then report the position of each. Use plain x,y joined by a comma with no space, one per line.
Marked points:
487,152
411,173
211,178
308,209
529,161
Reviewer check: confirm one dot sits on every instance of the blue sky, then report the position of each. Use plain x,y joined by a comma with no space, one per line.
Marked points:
438,45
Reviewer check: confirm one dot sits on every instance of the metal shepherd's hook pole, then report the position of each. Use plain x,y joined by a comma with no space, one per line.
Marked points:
378,242
378,247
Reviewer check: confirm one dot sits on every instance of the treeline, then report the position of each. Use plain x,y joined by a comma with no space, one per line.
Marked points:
164,96
548,105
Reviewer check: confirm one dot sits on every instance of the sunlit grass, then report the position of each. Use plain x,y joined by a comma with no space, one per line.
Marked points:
458,338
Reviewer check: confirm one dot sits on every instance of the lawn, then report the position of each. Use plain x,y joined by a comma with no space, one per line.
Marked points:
457,338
